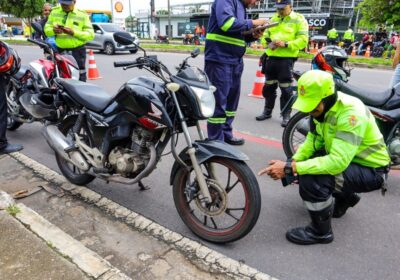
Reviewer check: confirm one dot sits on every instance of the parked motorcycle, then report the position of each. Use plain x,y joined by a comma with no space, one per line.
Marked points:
384,105
37,77
162,39
120,137
191,39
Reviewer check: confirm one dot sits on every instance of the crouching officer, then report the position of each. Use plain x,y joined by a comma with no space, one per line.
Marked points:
283,43
72,29
343,154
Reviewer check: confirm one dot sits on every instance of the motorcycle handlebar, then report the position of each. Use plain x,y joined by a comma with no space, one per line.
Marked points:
123,63
41,44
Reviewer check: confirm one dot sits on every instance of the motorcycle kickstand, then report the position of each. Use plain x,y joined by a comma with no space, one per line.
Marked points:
142,187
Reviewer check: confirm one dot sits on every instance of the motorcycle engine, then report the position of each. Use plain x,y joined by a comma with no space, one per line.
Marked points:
125,161
394,150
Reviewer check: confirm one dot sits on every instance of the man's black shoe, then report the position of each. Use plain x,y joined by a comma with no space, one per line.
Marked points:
263,117
235,141
11,148
342,204
308,236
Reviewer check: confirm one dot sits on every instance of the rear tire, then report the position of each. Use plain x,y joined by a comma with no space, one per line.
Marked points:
72,173
295,133
241,205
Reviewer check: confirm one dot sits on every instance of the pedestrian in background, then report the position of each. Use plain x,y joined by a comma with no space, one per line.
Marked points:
46,10
396,66
283,43
332,36
72,29
336,160
9,65
224,50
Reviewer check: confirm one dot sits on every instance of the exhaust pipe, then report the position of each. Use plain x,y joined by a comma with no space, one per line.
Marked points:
59,143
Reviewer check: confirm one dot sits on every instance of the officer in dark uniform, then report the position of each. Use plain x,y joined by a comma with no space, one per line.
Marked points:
225,47
9,64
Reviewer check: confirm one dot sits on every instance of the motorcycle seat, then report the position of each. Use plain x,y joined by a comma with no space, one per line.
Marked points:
89,95
368,97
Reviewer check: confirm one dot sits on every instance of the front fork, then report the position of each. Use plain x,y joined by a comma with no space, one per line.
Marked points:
201,180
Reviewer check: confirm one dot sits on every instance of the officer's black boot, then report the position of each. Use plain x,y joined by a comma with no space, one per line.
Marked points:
266,114
318,231
343,202
285,118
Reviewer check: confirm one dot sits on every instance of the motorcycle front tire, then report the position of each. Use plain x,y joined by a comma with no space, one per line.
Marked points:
288,134
196,219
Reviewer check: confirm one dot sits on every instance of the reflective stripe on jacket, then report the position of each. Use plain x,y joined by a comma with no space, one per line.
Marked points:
224,40
292,29
348,134
77,20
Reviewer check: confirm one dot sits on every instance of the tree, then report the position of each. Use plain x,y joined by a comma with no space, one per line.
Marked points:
380,12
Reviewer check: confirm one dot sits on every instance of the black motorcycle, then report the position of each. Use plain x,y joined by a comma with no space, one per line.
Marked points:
121,137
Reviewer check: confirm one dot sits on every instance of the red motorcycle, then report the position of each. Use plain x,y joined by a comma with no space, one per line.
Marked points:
162,39
36,79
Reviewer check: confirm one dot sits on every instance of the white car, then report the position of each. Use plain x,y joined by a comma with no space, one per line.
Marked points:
104,39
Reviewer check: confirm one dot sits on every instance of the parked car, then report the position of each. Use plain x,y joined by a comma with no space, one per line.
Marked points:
104,39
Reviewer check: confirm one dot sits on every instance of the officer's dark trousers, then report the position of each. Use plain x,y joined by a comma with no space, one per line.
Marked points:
80,56
278,71
3,113
226,78
316,190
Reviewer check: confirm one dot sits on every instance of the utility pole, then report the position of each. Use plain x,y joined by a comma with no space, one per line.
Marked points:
169,21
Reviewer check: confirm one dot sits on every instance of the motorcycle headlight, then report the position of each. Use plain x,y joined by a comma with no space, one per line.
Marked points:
206,100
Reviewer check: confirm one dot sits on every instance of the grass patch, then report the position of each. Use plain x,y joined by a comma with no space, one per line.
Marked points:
13,210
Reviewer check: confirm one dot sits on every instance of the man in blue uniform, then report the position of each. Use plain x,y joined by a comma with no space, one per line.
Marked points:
225,47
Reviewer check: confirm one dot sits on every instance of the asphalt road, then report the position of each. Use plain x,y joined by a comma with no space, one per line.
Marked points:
366,244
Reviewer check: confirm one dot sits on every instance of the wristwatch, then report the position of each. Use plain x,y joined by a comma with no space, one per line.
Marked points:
286,44
288,168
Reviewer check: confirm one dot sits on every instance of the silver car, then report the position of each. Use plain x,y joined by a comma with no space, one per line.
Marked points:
104,39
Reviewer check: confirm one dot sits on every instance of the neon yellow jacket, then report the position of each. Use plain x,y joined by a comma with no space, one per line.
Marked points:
292,29
77,20
332,34
348,134
348,35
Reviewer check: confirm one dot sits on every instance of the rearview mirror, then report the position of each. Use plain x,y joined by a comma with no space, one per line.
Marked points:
123,38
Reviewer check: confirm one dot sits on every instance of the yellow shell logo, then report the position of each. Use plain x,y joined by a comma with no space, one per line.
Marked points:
302,90
279,1
118,7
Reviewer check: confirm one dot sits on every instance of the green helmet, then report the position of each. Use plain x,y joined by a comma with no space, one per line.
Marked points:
312,87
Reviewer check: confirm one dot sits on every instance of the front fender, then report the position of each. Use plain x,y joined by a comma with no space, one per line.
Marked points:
207,149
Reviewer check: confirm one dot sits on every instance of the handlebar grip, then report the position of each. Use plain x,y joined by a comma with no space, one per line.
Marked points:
36,42
123,63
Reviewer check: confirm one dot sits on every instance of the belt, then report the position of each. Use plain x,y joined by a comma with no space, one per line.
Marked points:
383,169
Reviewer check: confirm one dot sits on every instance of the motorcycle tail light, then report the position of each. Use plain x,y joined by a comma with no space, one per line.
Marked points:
148,123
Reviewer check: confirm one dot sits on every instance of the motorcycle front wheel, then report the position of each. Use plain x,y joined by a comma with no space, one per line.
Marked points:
295,133
235,205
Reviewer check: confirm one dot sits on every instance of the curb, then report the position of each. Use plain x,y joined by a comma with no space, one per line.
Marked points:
201,256
85,259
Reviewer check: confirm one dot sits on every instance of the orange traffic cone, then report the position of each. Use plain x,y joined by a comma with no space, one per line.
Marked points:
353,51
367,52
93,73
258,85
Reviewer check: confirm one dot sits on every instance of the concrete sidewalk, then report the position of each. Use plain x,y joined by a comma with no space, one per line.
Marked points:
56,230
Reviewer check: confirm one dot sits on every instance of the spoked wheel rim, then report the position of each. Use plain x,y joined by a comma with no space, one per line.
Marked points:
297,135
229,207
109,49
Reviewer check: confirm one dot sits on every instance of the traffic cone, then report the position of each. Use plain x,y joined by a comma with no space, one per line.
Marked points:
353,51
93,73
258,85
367,52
